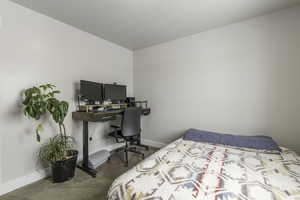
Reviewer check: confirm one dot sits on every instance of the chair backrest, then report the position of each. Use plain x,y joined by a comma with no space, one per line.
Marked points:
131,122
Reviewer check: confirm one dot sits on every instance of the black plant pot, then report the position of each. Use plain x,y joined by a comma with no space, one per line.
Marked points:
65,169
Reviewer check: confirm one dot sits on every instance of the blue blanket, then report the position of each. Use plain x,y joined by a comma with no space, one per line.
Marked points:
253,142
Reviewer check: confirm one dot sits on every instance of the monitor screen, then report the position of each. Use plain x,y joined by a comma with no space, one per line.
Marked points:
91,91
115,92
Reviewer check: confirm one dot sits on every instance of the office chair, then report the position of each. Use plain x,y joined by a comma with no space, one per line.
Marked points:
129,131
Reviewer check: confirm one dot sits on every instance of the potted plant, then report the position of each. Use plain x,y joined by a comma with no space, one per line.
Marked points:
59,151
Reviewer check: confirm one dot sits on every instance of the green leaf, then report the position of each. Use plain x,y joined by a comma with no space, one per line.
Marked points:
40,100
38,137
56,92
39,129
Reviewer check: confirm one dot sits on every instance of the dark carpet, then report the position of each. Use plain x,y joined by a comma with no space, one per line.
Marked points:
82,186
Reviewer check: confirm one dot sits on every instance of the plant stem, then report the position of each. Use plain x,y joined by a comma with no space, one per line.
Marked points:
64,134
60,130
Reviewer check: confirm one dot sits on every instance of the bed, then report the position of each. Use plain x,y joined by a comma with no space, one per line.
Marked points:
188,170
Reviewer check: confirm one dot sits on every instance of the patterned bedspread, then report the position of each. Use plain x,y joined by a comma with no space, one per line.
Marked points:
187,170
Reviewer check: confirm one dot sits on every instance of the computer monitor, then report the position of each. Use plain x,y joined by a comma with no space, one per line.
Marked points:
114,92
91,91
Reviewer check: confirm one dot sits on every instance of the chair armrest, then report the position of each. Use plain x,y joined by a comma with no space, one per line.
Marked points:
115,126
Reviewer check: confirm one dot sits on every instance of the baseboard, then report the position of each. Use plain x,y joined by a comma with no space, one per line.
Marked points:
21,181
153,143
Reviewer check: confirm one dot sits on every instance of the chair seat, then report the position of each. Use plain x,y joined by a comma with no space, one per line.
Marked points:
120,136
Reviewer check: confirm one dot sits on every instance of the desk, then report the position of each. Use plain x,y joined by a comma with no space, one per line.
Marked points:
87,117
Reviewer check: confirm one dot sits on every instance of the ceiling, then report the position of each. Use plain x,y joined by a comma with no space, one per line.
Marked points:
136,24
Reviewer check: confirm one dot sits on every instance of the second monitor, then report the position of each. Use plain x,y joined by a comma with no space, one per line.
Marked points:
115,93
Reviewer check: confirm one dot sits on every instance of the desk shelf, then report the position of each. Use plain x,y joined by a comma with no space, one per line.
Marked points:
96,116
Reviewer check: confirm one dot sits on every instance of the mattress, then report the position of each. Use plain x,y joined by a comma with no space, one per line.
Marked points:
188,170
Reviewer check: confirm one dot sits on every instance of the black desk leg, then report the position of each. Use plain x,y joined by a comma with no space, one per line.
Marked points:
85,162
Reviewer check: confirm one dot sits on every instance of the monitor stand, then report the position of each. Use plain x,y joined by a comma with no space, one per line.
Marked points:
91,102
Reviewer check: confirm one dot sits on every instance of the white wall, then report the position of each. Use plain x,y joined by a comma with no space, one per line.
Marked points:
35,49
242,79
